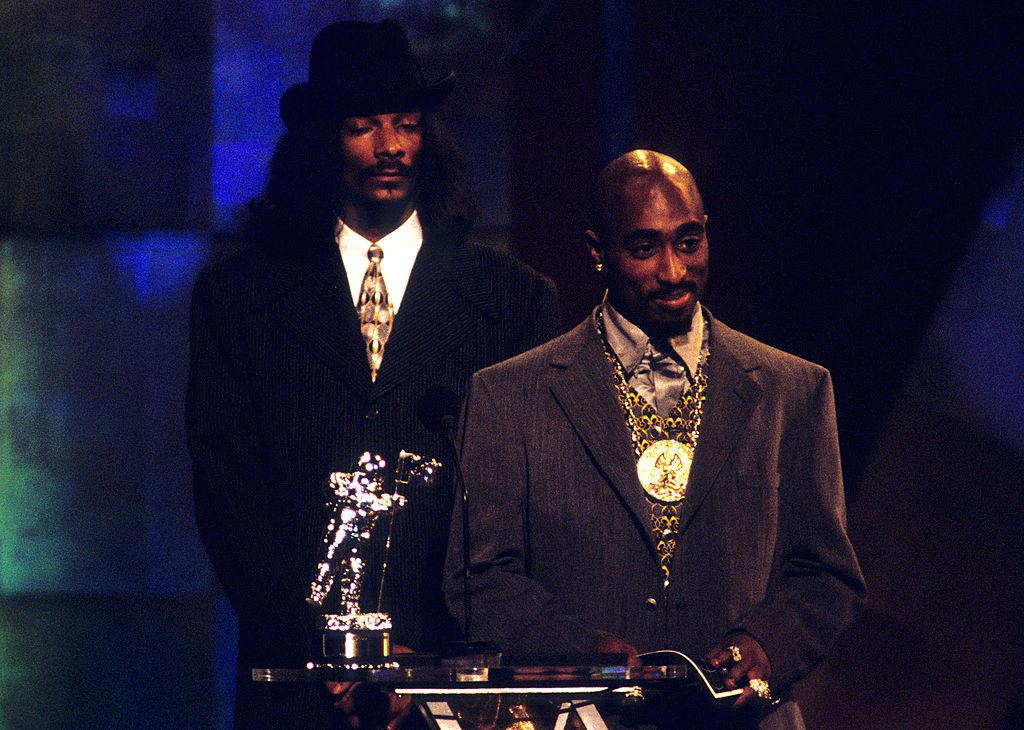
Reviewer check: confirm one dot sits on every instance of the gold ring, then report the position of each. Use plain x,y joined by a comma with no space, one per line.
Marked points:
761,689
736,655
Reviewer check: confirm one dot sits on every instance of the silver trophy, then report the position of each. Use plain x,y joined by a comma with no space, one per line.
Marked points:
357,500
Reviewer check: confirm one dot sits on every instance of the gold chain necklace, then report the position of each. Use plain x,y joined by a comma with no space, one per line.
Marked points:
663,465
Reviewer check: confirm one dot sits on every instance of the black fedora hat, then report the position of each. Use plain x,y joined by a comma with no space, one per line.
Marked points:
361,69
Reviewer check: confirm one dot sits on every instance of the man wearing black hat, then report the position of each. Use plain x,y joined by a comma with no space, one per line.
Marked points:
357,292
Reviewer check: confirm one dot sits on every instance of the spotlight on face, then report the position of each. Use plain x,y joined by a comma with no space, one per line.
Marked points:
653,244
381,156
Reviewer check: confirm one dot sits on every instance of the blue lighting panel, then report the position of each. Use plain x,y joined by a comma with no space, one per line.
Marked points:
131,94
94,473
159,264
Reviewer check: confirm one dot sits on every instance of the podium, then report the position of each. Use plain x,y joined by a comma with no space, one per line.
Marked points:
456,696
472,686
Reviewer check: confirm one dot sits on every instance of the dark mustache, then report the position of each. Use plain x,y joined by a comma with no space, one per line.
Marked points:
672,292
387,168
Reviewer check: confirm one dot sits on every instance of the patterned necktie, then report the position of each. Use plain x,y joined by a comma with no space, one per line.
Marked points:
375,310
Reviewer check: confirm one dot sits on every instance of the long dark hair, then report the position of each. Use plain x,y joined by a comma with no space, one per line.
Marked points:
297,211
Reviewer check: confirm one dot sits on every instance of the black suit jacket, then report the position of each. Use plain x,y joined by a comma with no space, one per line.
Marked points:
280,395
561,546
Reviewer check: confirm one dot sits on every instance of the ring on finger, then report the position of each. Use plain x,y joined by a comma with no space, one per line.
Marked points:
761,689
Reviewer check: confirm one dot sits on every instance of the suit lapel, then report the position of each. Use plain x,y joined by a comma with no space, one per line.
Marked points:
310,298
586,394
440,309
731,397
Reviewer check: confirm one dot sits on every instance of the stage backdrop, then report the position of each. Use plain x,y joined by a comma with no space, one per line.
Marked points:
865,195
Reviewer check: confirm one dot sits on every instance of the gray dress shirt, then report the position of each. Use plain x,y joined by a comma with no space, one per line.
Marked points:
660,371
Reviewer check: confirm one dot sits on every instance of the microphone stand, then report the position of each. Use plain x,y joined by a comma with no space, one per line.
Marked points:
468,649
448,425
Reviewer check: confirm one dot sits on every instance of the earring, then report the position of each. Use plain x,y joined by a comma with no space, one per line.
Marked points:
599,266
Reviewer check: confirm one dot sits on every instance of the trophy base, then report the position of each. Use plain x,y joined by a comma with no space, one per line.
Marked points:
356,644
356,637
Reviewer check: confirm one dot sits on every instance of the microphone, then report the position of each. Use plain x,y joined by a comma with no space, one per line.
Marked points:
438,410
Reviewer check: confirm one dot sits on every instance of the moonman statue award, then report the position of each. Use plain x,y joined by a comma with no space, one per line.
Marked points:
357,500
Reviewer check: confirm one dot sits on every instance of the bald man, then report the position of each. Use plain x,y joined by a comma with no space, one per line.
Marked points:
656,480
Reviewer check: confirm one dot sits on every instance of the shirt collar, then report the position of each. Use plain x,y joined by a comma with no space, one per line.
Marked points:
408,236
630,343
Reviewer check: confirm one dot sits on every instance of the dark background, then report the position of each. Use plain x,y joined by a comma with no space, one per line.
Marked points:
864,176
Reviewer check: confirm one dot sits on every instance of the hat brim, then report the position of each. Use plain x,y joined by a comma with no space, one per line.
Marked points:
304,102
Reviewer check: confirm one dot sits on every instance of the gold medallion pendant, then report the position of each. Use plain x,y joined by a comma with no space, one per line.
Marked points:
664,469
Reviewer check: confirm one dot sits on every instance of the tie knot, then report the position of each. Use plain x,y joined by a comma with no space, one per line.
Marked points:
662,358
375,252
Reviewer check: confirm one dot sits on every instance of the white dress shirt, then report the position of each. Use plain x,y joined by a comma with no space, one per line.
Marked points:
400,248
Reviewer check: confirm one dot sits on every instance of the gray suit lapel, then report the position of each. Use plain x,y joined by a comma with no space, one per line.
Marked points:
731,397
584,391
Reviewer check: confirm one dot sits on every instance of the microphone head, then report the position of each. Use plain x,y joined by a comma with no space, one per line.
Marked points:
438,408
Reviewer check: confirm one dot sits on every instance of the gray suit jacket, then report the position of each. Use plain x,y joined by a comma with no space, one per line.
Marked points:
560,544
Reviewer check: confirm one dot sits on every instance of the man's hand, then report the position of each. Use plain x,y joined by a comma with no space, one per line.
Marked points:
609,644
753,663
345,700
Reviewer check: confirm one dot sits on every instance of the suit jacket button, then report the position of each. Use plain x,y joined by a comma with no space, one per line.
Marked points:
651,603
372,414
